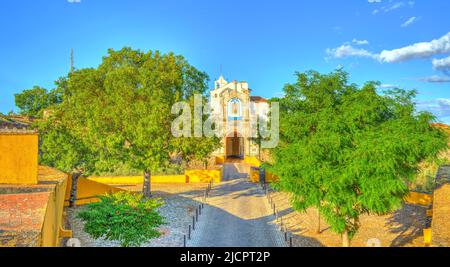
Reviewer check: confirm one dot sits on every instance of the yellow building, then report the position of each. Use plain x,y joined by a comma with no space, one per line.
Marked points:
31,197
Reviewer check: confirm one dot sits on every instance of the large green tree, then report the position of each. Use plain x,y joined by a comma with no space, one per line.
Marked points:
32,102
122,109
347,150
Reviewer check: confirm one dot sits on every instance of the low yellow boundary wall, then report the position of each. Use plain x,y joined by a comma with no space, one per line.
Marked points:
416,198
190,176
204,176
90,188
427,235
220,160
123,180
53,230
253,161
88,191
254,176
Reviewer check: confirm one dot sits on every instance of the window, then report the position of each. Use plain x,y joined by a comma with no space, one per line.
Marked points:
234,109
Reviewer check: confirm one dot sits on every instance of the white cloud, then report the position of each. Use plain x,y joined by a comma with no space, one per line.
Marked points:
436,79
348,51
391,6
388,8
444,102
388,86
417,50
442,64
360,42
439,107
338,29
409,22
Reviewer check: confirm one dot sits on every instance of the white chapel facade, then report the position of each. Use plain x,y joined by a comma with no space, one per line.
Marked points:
232,101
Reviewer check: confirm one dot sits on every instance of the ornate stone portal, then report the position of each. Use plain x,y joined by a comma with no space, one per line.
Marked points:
239,110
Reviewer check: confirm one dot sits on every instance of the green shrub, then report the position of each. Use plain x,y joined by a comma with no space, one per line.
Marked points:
123,216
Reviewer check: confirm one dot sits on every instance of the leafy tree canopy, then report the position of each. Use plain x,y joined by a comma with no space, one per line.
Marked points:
63,150
33,101
348,150
121,110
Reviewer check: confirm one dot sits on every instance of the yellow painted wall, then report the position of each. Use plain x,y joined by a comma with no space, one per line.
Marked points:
88,191
18,158
49,232
190,176
122,180
427,235
220,160
254,173
253,161
90,188
204,176
270,178
254,176
169,179
19,166
419,199
53,228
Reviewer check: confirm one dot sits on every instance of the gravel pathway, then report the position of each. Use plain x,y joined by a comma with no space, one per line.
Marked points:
237,214
180,204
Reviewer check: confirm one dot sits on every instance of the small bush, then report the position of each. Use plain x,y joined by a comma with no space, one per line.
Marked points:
123,216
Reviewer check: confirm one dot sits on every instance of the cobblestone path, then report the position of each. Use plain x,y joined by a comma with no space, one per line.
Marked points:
237,214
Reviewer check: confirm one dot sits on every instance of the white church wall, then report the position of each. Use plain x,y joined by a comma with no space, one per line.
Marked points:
251,111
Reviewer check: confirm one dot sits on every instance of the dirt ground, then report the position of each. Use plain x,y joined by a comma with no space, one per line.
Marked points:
403,228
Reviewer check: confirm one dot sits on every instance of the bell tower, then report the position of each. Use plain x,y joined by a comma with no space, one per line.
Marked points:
221,82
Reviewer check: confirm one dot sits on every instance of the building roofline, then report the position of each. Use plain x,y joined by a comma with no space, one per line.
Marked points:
258,99
14,127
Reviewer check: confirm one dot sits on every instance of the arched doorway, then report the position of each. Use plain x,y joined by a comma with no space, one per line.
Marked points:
235,146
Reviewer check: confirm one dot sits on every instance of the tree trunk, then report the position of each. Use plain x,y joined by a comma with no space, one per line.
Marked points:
73,190
147,184
259,152
345,239
318,222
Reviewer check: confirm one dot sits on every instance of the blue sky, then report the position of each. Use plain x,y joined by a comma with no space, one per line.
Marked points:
399,43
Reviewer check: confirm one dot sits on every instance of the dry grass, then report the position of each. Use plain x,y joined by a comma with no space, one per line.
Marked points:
402,228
